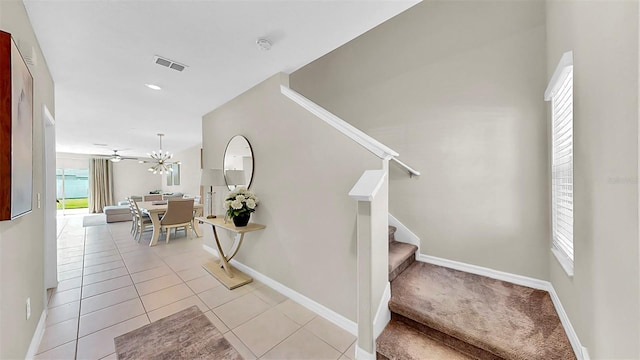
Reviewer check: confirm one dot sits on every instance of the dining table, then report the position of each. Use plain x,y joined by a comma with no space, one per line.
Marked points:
155,209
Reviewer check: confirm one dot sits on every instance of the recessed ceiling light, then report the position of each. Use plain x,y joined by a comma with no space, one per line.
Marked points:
153,86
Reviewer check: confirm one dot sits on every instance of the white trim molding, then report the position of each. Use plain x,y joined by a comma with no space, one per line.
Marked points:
490,273
383,314
363,355
368,185
339,320
565,65
37,335
563,260
403,234
578,349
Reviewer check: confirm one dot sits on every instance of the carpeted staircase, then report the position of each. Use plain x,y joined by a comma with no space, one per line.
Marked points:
441,313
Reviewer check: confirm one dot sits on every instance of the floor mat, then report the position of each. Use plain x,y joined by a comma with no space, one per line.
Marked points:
187,334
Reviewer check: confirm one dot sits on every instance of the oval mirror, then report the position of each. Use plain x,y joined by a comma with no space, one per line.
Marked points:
238,163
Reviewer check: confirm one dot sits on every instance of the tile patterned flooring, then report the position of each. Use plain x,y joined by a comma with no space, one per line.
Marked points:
109,285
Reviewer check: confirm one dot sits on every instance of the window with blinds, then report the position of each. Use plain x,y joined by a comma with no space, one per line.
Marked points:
560,93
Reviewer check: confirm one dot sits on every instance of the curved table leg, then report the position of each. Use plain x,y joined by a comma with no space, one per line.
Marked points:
222,270
237,242
196,227
223,258
155,220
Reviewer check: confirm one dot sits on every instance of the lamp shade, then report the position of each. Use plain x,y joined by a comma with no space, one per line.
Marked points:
235,177
212,177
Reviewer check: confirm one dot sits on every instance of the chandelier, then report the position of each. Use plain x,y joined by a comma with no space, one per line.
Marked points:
160,160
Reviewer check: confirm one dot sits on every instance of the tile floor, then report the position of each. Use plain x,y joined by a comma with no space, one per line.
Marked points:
109,285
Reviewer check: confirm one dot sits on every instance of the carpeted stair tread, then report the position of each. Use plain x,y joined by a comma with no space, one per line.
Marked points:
401,255
400,341
507,320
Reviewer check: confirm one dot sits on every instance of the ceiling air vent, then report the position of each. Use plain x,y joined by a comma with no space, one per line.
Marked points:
168,63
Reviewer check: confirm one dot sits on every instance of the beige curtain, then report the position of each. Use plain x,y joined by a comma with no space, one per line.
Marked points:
100,184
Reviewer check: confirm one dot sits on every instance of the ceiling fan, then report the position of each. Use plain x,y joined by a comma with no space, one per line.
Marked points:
115,157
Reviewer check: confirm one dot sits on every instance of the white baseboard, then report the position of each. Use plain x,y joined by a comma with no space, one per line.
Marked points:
363,355
37,335
490,273
578,349
339,320
383,315
403,234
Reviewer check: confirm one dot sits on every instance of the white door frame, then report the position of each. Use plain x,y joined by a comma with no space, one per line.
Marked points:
49,200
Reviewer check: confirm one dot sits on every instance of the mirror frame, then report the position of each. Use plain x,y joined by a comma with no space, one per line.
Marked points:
253,161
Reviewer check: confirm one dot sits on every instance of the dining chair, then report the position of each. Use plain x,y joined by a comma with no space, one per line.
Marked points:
153,197
132,209
179,214
141,222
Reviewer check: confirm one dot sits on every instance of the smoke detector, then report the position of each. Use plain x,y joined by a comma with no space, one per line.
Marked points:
263,44
169,63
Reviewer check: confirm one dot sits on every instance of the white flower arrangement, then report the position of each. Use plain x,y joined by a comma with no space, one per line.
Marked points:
240,201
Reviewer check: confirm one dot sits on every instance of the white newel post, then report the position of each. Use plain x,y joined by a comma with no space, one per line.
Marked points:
371,194
366,341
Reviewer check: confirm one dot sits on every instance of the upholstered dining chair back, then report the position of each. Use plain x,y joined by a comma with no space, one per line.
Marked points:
153,197
179,214
179,211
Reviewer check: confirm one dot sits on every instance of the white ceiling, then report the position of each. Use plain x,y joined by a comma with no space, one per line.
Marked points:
100,54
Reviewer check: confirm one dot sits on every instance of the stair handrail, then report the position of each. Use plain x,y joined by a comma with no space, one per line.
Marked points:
412,172
357,135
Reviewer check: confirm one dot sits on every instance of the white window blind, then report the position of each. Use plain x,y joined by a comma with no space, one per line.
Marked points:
560,93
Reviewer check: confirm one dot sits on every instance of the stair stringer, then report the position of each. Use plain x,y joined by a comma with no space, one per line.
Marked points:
403,234
383,313
580,351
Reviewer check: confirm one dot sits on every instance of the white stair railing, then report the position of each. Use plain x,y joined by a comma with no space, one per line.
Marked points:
366,141
412,172
371,192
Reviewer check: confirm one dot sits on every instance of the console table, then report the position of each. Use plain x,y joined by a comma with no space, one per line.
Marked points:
222,270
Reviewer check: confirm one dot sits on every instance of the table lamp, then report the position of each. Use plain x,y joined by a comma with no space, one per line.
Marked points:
211,178
235,178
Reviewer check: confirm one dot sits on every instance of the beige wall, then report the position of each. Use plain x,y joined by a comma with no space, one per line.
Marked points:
21,240
304,170
602,298
133,178
72,161
189,172
456,88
